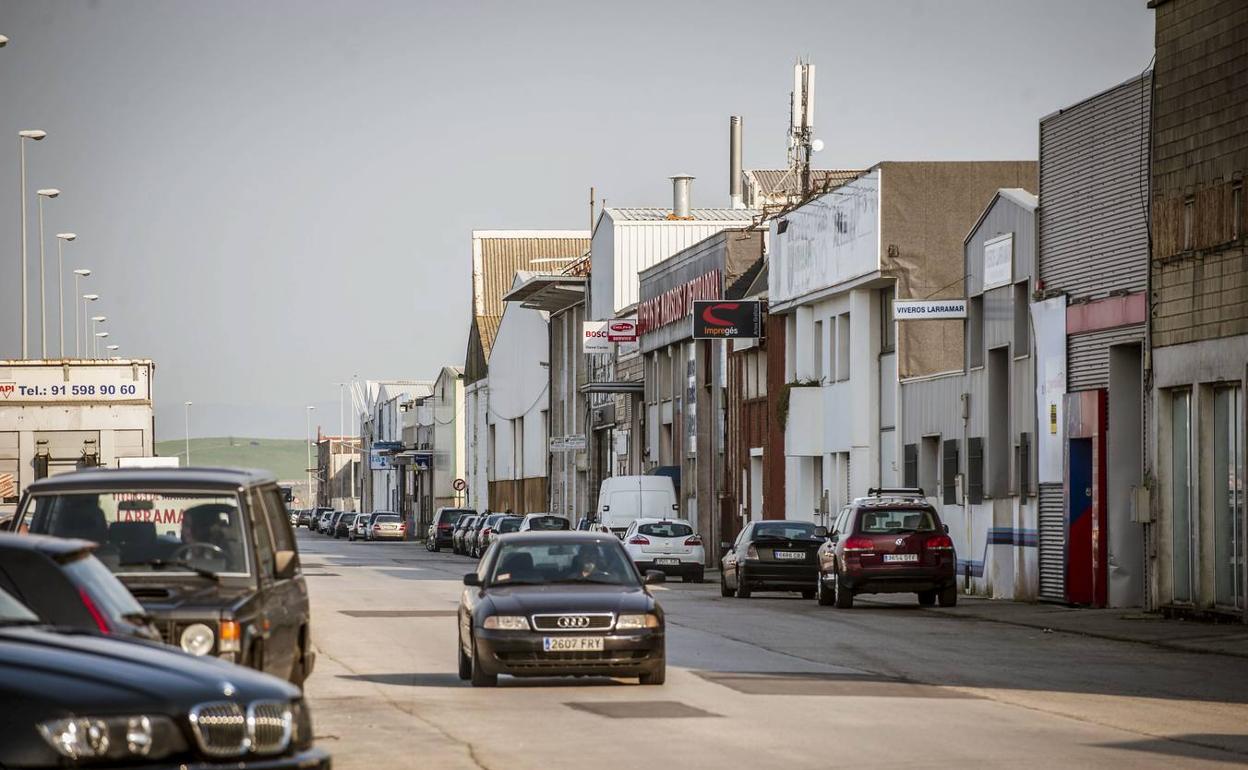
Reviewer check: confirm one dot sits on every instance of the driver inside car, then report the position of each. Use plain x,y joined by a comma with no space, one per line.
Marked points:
210,534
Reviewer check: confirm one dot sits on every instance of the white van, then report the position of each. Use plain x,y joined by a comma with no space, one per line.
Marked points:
624,499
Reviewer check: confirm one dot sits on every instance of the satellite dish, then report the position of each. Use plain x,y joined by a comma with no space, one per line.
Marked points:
817,145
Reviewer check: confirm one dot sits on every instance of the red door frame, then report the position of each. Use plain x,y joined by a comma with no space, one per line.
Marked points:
1086,418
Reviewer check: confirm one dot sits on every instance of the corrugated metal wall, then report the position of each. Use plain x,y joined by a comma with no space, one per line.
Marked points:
1094,193
639,245
1006,216
1087,356
1052,543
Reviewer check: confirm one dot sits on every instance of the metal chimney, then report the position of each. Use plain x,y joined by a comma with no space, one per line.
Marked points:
734,163
681,186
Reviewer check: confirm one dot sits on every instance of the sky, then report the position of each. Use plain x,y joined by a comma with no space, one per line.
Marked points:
275,197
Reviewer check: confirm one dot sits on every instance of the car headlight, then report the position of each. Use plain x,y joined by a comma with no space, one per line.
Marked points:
634,622
506,623
112,738
197,639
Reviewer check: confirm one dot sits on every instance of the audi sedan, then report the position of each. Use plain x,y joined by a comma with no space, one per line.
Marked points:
560,604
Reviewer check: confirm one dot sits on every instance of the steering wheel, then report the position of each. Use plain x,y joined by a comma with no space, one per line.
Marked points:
197,552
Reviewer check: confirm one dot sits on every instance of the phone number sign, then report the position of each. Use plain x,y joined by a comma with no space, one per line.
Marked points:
51,385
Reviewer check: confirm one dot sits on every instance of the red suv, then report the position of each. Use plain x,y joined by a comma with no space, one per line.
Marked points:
889,542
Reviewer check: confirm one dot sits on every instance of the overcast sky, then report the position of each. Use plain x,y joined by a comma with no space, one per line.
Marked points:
274,196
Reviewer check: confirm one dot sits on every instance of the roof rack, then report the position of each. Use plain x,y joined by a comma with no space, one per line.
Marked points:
895,492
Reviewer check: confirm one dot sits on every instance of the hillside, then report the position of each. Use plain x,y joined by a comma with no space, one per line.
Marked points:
285,458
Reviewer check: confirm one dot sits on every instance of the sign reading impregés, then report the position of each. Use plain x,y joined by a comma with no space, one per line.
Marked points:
999,261
74,383
594,337
928,309
724,319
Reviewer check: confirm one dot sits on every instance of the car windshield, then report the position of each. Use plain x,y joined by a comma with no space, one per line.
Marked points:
144,532
13,612
892,522
348,518
665,529
508,525
591,561
451,517
388,518
785,530
548,523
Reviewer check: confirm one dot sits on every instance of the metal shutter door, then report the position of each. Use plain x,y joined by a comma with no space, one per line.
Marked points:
1052,543
1087,356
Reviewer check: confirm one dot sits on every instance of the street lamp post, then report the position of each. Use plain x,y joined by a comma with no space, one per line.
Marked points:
90,339
34,135
78,303
47,192
98,336
112,349
308,414
61,239
187,408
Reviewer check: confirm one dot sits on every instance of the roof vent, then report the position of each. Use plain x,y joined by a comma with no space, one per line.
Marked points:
681,186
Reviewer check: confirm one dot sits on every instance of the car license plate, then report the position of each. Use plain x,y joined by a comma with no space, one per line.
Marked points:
794,555
901,557
667,562
572,643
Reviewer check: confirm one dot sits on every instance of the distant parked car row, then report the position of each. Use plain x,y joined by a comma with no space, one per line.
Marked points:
378,525
468,533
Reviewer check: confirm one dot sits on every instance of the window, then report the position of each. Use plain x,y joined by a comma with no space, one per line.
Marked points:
975,470
949,483
833,376
842,347
929,465
1228,497
877,521
1022,327
279,521
975,332
264,542
1189,215
1024,466
888,325
1237,209
910,466
818,363
1181,493
665,529
492,449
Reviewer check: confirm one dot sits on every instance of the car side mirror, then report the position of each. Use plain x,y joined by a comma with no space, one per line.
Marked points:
655,576
821,531
284,564
471,579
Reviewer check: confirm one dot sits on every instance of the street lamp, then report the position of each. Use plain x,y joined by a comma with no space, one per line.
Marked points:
98,336
47,192
3,41
187,407
79,274
308,413
61,239
112,348
95,319
34,135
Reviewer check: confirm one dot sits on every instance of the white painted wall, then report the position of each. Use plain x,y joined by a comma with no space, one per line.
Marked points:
519,394
476,443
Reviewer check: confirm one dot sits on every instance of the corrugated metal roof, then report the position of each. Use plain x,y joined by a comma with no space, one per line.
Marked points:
487,327
657,214
782,181
498,254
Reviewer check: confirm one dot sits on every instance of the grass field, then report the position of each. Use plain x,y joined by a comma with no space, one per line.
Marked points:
284,458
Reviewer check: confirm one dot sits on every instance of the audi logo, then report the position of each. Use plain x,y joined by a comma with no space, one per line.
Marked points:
572,621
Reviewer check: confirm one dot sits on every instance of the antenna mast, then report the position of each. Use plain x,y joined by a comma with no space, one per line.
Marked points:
802,122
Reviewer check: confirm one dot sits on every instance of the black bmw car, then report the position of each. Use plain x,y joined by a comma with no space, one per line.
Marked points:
77,699
560,604
772,555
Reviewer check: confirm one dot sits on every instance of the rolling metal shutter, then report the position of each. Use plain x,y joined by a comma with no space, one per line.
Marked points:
1087,356
1052,543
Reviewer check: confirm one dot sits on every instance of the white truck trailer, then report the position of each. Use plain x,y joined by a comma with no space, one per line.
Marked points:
58,416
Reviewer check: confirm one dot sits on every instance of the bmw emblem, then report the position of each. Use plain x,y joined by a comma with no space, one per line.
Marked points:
228,689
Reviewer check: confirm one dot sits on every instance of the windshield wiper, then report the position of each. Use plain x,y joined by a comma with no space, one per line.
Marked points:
21,622
587,580
186,565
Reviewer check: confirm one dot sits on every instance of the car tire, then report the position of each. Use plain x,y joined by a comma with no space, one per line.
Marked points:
742,591
724,590
351,538
434,547
299,671
465,662
696,577
656,676
948,597
927,598
478,676
808,593
844,597
822,595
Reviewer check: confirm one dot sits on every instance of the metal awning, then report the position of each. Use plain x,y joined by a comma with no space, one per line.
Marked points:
551,293
614,387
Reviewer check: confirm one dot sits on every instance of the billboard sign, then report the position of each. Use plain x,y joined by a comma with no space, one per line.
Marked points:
71,383
724,319
999,261
928,309
622,330
594,337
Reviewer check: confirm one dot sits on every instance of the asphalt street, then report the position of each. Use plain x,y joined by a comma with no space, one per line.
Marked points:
769,682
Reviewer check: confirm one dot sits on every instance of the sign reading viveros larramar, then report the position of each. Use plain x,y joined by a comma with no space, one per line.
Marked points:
727,319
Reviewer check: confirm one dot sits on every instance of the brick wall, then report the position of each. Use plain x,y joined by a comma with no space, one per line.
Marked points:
1200,155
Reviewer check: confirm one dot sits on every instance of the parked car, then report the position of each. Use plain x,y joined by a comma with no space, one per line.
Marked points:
359,527
208,552
503,526
668,545
342,524
332,528
442,528
69,700
387,526
544,522
775,555
891,541
294,517
624,499
472,535
314,517
485,526
65,585
559,604
322,523
461,529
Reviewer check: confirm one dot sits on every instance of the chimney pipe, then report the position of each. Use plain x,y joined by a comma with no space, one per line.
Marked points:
734,163
681,185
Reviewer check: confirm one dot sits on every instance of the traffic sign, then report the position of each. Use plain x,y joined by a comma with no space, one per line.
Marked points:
460,485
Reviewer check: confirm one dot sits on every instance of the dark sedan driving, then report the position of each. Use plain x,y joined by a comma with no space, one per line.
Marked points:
772,556
559,604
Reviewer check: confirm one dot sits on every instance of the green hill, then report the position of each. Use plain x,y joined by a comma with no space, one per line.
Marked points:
284,458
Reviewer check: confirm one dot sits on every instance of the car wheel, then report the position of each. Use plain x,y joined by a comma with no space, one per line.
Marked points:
465,662
927,598
742,591
351,538
479,677
656,676
822,594
724,590
299,671
949,597
696,577
434,547
844,596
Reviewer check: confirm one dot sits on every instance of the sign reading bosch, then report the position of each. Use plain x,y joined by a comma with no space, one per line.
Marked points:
722,320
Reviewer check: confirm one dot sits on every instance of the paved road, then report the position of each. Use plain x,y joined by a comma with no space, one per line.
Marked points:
767,682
